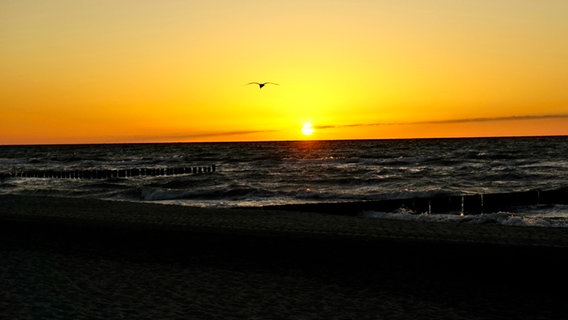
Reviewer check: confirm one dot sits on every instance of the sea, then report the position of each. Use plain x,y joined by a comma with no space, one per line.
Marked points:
284,173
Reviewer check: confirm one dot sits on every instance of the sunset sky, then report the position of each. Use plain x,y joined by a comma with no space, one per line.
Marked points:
105,71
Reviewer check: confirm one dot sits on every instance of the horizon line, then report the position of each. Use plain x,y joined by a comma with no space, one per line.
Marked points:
287,140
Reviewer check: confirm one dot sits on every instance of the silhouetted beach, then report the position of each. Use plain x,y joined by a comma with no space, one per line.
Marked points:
74,258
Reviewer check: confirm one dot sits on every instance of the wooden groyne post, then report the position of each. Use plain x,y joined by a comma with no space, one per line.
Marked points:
107,173
454,204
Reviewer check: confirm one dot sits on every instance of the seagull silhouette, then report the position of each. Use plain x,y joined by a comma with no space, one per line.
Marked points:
260,85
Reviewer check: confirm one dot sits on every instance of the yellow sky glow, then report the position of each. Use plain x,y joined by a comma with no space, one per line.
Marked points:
172,71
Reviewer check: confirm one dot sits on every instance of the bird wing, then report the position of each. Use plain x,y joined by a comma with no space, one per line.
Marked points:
271,83
253,83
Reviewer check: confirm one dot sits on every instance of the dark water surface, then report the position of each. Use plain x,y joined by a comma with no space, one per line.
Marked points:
277,173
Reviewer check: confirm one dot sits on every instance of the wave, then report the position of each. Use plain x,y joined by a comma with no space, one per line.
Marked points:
503,218
220,193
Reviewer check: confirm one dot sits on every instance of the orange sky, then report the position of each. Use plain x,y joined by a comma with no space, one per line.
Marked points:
160,71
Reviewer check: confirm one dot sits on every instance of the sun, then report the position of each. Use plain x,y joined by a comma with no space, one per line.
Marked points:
307,129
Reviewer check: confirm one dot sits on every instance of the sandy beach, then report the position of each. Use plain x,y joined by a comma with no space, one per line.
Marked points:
91,259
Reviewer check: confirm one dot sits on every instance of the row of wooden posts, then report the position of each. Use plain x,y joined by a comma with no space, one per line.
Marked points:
108,173
467,204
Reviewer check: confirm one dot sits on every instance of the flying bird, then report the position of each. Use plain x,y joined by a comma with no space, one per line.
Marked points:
260,85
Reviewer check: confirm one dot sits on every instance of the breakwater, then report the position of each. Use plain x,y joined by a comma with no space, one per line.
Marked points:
107,173
464,204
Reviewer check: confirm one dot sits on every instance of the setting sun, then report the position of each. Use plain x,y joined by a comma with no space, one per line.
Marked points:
307,129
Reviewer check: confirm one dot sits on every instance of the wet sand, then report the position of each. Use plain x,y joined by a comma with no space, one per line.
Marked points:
79,258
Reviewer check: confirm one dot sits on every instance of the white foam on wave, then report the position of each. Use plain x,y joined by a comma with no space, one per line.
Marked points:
154,194
550,217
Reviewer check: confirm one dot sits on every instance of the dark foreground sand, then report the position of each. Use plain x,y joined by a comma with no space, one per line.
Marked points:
89,259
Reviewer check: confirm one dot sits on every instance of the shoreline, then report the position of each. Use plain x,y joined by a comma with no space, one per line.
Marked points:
107,258
80,212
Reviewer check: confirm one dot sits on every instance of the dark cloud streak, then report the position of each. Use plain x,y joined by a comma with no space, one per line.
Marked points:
222,133
449,121
196,135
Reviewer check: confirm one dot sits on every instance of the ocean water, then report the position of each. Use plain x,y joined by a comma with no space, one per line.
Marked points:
299,172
